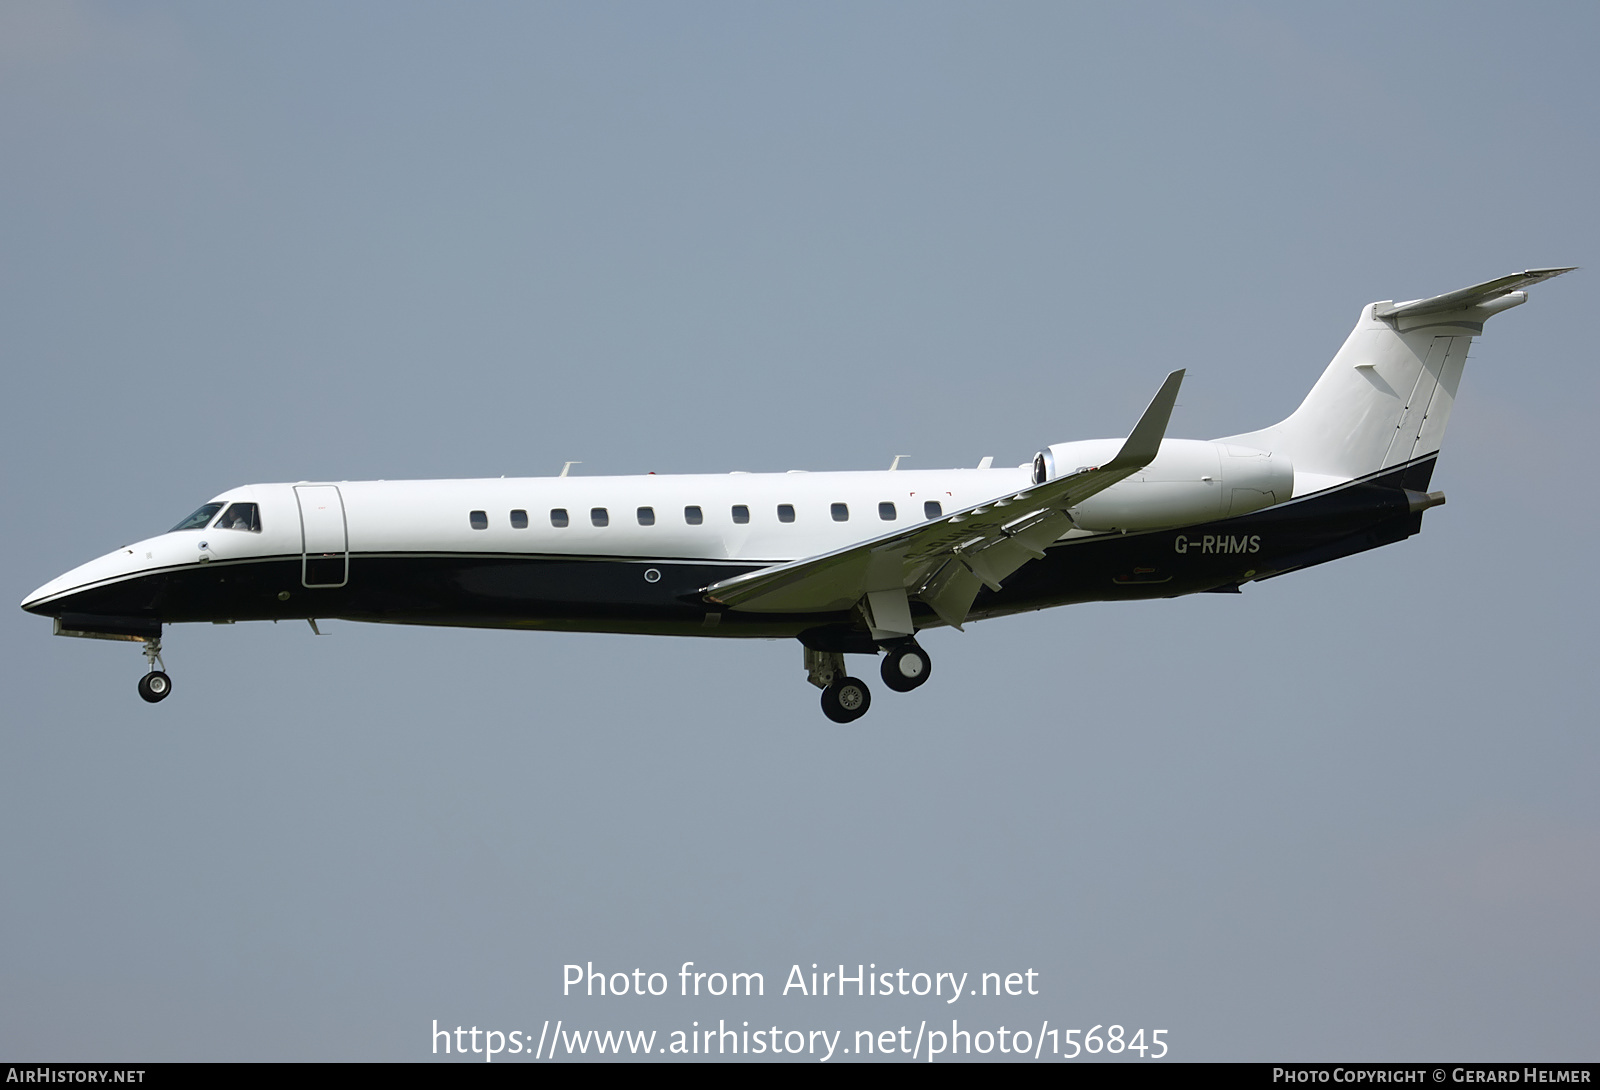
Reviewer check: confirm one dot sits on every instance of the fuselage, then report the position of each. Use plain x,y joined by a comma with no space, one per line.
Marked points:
634,553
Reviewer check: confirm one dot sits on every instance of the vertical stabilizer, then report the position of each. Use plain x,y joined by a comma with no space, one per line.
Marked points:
1385,399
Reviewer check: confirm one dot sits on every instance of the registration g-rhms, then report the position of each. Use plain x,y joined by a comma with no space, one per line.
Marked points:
846,563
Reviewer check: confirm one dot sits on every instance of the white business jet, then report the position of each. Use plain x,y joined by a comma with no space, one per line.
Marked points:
847,563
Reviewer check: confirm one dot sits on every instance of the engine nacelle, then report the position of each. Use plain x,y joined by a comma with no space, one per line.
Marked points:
1190,481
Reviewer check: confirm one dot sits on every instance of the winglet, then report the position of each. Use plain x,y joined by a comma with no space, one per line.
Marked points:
1144,443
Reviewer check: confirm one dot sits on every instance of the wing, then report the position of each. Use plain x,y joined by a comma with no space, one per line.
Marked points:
946,561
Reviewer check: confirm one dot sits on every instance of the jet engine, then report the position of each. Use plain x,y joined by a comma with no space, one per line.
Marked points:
1190,481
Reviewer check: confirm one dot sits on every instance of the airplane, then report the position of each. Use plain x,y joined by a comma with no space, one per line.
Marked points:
844,562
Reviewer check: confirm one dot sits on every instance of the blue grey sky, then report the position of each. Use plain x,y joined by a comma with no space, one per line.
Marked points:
1346,814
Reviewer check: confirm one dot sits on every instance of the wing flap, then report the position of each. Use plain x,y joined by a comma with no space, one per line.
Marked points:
951,591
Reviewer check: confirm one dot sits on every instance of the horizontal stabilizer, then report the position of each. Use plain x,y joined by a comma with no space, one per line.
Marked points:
1476,295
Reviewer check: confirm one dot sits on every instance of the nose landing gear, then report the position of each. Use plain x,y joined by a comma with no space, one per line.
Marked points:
155,685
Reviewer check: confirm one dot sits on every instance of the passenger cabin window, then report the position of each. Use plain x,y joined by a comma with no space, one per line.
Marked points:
647,516
558,516
741,514
932,510
785,512
241,516
886,512
693,516
519,519
480,520
198,520
598,516
841,512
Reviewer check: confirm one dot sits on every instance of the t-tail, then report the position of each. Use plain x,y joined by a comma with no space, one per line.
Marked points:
1385,399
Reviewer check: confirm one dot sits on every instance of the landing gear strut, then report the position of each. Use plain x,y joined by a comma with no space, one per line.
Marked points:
155,685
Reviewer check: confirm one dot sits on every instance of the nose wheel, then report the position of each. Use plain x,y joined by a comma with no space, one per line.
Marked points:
155,685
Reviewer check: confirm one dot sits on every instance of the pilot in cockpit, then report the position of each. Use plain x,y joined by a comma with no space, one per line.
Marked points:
240,516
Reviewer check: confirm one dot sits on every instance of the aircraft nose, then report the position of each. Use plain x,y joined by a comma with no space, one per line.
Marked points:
67,590
34,603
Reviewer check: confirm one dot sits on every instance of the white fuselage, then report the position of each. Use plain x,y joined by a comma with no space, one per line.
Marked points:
735,518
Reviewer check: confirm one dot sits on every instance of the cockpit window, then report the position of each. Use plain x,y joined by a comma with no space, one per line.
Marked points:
199,519
241,516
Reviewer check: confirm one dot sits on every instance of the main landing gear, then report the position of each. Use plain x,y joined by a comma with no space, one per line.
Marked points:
906,666
155,685
844,698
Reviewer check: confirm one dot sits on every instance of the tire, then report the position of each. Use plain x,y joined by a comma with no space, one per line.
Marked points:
846,700
905,667
155,686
